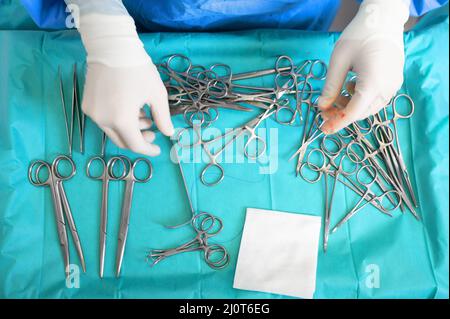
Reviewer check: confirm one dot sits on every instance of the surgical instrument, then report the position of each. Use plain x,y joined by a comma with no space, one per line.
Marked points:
63,214
76,114
205,225
130,179
229,137
106,175
371,175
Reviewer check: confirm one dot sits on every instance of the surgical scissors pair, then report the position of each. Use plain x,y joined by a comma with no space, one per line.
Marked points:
116,168
213,156
54,179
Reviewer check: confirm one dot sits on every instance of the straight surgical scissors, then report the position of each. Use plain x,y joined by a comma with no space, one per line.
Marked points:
55,180
106,175
130,179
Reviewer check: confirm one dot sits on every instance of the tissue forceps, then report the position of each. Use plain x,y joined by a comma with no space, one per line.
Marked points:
55,180
106,175
328,159
249,128
130,179
372,172
360,151
396,115
316,70
205,226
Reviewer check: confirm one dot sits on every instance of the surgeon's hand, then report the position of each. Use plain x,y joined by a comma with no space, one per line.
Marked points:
113,98
372,47
121,78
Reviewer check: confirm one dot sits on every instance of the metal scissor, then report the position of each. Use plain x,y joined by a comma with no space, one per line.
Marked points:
106,175
130,178
54,179
391,118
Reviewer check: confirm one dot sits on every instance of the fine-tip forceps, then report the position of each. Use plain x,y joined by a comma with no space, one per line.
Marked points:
56,175
367,176
205,226
76,114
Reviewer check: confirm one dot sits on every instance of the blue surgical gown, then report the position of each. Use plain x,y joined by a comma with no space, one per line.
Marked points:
216,15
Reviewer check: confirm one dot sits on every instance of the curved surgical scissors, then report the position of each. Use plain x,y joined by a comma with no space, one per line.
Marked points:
55,180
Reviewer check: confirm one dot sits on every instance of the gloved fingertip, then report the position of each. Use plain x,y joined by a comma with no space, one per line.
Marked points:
336,123
324,103
153,150
328,128
167,130
149,136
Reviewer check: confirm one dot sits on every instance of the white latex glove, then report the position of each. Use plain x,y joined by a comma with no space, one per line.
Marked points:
121,78
372,47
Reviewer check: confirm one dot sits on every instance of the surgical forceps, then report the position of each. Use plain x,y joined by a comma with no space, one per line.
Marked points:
55,180
106,175
205,225
293,74
328,159
76,113
397,152
313,136
249,128
371,173
360,151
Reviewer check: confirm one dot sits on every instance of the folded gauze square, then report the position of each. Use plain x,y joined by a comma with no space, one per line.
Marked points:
278,253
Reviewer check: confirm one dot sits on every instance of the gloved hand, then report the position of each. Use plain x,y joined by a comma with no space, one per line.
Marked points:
372,47
121,78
